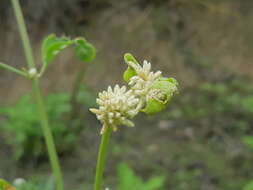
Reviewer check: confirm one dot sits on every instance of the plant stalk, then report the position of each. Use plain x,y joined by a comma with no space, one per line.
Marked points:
101,159
12,69
23,33
54,161
48,136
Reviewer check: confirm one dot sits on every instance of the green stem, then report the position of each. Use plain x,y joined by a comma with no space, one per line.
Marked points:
101,159
39,101
48,135
12,69
23,33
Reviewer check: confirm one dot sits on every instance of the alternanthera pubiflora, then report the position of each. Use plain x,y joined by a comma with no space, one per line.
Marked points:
147,92
51,46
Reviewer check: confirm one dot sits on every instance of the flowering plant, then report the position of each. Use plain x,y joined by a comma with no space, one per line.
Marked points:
148,92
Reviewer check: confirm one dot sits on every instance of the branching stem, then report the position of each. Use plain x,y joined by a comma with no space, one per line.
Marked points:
39,100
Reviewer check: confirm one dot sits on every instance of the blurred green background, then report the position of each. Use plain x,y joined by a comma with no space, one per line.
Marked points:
201,142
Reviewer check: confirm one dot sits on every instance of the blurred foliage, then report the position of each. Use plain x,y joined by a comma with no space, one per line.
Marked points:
23,128
4,185
128,180
53,45
36,183
249,186
248,140
230,100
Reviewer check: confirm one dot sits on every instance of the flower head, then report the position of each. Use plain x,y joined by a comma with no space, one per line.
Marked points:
142,82
116,107
152,88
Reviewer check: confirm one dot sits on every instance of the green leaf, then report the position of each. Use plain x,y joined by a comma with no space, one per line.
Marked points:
249,186
127,178
248,140
129,181
52,46
247,104
155,183
84,50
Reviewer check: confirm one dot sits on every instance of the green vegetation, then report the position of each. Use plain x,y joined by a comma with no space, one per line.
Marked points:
203,141
128,180
24,131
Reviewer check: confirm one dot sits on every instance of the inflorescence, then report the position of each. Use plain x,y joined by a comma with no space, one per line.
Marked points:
149,92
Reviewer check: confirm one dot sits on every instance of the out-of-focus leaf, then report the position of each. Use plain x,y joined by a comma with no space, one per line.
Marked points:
84,50
52,46
248,140
249,186
247,104
128,180
4,185
155,183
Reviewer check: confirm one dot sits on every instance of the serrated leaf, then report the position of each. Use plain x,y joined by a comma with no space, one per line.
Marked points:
52,46
84,50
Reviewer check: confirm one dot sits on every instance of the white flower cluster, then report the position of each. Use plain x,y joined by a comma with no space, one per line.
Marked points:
143,81
116,107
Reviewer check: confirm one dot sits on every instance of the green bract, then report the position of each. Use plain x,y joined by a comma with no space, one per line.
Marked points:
130,72
161,93
157,90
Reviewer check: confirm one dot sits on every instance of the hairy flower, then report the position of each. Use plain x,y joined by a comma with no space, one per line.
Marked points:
142,82
154,90
116,107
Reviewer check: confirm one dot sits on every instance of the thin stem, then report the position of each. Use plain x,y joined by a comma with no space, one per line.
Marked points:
12,69
101,158
48,135
23,33
39,101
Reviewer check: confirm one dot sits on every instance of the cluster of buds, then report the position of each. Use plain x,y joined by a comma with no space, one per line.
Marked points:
149,92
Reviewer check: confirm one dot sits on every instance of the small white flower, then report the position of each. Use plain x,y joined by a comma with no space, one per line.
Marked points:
116,107
143,81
